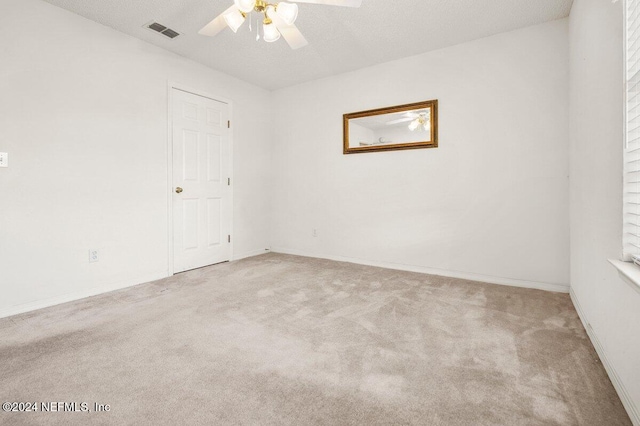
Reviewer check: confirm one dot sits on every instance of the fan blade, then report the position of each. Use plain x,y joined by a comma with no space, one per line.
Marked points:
345,3
217,25
291,33
400,120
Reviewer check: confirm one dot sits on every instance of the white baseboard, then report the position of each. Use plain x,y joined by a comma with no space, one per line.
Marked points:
627,401
70,297
249,254
560,288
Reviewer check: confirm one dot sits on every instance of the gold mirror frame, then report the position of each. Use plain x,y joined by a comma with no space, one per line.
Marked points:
431,143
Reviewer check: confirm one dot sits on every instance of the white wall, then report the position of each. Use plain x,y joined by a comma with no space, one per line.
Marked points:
402,134
490,203
609,306
358,133
83,116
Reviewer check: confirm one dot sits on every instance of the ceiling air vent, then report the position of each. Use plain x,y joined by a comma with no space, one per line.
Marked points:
159,28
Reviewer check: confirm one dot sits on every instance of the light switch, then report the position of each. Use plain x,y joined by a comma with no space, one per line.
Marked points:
4,159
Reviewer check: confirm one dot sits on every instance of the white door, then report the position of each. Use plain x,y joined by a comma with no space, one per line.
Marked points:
201,187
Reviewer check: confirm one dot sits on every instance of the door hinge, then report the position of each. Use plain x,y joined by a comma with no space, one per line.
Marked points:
228,124
228,181
228,238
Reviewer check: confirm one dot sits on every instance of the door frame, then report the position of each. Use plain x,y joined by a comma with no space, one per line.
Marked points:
171,86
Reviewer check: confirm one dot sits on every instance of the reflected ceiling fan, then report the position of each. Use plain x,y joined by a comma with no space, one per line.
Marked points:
417,118
278,19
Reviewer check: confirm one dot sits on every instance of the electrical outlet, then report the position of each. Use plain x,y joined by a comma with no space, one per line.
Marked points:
315,232
93,256
4,159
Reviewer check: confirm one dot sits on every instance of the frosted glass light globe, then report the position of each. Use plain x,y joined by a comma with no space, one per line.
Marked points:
271,33
245,6
288,12
234,19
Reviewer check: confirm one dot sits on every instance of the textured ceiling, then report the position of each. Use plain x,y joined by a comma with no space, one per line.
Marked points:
340,39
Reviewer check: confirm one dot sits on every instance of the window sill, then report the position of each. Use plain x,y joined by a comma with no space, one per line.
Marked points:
629,272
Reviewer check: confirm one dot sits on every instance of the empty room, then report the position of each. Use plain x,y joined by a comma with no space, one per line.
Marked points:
320,212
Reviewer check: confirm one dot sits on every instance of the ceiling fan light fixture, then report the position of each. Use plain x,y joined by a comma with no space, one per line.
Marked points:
414,124
245,6
234,19
281,17
270,32
288,12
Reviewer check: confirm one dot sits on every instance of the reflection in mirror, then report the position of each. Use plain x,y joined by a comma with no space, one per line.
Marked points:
400,127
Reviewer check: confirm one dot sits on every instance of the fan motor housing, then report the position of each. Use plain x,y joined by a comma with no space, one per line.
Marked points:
261,5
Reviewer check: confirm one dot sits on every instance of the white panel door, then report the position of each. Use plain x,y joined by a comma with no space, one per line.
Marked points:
201,194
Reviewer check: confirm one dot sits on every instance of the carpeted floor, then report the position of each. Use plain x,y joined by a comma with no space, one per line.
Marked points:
287,340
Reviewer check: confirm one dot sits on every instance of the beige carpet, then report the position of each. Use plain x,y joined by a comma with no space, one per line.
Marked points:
286,340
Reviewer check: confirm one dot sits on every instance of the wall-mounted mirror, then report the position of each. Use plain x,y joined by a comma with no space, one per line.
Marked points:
399,127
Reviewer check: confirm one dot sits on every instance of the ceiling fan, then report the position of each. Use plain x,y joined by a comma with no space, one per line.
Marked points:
278,19
417,119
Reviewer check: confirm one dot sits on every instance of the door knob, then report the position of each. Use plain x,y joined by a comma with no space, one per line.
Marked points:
178,190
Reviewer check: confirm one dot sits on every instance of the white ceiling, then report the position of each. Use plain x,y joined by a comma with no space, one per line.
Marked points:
375,122
340,39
